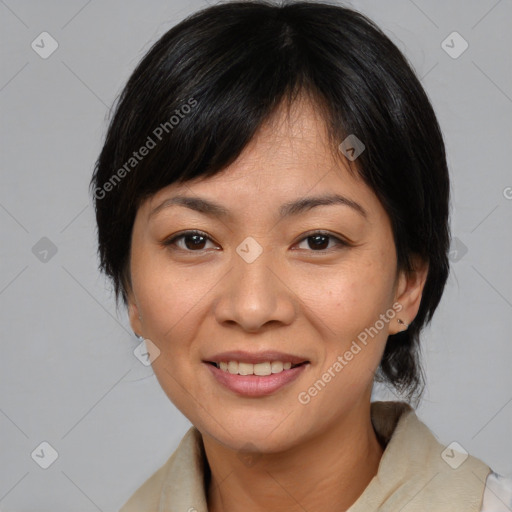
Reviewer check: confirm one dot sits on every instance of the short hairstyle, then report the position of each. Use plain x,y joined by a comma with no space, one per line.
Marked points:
199,95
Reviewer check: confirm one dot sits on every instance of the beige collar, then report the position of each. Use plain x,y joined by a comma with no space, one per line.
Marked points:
412,476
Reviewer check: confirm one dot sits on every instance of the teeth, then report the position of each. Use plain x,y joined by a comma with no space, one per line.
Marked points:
262,369
277,367
245,368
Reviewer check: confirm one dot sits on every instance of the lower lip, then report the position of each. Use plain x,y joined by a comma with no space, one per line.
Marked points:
256,385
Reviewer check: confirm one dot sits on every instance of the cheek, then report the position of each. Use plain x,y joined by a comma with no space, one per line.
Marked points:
349,301
349,305
351,296
166,293
169,300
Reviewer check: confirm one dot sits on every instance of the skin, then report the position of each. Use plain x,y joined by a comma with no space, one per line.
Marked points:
196,302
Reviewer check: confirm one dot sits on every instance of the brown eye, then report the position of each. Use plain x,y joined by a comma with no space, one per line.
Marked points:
319,241
193,241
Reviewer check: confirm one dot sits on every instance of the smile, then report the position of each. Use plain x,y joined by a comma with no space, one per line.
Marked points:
249,383
259,369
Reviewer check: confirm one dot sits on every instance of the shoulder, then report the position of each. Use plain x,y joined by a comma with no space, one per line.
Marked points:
415,463
148,497
497,494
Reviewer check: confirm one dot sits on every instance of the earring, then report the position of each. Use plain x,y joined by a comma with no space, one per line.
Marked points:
400,321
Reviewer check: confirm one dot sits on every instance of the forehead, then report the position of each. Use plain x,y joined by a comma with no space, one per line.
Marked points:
294,136
290,156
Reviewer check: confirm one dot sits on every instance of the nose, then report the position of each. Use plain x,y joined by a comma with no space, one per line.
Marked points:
256,294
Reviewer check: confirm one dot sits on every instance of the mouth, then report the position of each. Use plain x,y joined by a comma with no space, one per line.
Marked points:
255,375
258,369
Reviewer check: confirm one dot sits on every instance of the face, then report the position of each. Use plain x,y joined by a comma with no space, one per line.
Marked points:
316,286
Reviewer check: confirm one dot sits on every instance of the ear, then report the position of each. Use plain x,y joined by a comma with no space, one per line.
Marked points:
408,293
134,313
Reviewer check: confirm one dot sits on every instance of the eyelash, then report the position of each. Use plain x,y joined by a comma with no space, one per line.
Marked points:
339,243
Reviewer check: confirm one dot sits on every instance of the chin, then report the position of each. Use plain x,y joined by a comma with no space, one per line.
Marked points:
243,434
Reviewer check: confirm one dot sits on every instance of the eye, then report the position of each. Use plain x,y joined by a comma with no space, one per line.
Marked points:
195,241
318,240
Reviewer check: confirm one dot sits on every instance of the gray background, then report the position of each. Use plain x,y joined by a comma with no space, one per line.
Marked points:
68,374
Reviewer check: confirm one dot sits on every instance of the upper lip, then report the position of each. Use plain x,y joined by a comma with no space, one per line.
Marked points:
255,357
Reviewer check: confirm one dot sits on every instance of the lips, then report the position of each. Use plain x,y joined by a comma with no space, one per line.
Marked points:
247,374
253,386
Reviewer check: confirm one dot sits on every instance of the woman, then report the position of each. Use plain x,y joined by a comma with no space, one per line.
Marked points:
272,203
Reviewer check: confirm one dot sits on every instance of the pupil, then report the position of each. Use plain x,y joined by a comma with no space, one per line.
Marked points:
197,242
317,238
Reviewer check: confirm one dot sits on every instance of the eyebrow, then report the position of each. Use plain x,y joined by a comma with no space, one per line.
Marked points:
291,208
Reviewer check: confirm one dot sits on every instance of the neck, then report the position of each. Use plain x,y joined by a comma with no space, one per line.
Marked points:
328,472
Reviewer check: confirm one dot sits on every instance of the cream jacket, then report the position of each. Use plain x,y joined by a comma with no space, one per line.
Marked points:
416,473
